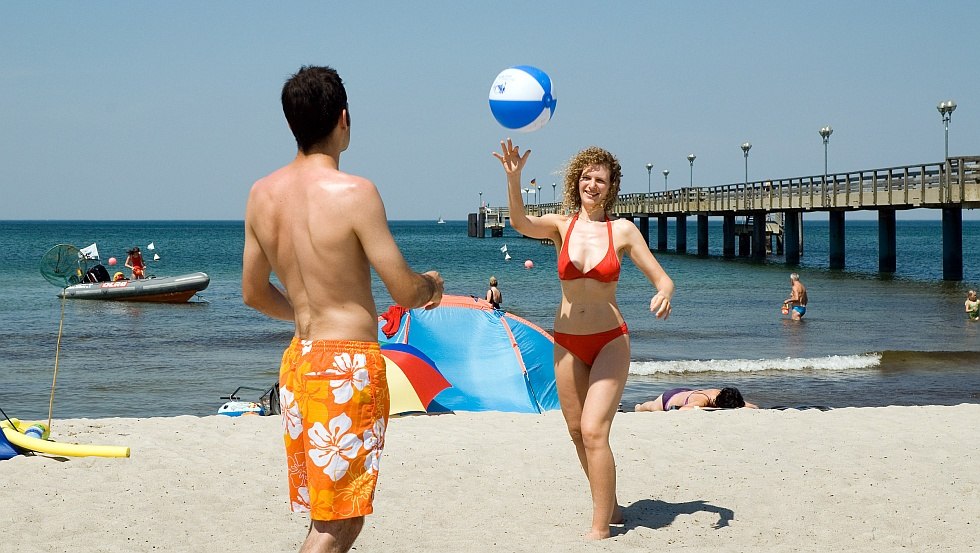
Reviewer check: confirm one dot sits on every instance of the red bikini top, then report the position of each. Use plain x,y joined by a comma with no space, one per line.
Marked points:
606,270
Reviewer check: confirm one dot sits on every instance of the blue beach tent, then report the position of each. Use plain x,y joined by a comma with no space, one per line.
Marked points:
7,449
495,361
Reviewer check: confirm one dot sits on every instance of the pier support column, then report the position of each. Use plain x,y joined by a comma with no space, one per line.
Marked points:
759,236
952,243
744,244
791,237
886,241
702,236
481,224
662,233
681,234
836,246
645,229
728,236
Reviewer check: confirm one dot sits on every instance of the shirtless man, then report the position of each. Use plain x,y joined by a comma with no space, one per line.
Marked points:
321,231
797,298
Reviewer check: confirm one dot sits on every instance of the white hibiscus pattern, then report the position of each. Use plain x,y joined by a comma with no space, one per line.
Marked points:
332,449
374,443
307,346
291,421
353,373
303,505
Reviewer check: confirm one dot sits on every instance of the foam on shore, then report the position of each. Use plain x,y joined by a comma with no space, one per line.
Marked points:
828,363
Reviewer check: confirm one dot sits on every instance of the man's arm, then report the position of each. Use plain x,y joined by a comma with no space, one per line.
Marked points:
257,291
794,296
408,288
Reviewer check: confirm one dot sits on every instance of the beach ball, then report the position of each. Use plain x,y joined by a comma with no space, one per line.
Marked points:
522,98
112,261
528,264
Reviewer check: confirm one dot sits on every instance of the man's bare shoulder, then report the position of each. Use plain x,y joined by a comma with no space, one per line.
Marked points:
338,186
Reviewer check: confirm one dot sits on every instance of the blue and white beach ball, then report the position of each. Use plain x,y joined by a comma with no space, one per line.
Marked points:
522,98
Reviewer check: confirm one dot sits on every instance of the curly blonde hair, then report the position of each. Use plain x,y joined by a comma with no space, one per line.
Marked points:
592,156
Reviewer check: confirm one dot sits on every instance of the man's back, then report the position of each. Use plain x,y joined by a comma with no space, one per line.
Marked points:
304,218
320,231
800,292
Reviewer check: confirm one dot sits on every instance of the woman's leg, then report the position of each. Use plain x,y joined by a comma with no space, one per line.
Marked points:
652,405
572,382
607,379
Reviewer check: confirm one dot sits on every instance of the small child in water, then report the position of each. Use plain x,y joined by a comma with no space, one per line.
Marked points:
972,305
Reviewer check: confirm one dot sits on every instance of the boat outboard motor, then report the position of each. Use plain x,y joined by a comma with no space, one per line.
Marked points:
97,273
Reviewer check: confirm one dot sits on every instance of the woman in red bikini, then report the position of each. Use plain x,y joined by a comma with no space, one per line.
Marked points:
592,348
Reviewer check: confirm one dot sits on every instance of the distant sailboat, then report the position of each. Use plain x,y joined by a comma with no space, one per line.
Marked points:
440,221
506,256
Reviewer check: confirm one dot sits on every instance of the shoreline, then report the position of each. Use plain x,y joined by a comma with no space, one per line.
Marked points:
861,479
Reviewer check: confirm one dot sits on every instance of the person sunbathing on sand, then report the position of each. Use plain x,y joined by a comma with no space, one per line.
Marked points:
687,398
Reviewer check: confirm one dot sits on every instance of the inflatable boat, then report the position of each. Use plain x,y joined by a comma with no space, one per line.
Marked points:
175,289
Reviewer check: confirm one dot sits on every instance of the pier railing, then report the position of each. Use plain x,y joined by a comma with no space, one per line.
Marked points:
931,185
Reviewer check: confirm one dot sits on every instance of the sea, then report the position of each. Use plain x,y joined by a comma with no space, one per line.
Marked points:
868,339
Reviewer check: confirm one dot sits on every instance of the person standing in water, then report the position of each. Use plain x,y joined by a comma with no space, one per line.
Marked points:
592,345
972,305
797,299
494,297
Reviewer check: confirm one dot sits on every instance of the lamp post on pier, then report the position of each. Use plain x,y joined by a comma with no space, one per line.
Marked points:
745,151
537,199
666,172
825,133
481,201
649,170
946,110
554,193
691,158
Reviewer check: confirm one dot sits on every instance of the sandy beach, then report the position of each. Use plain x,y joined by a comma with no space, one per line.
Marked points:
868,479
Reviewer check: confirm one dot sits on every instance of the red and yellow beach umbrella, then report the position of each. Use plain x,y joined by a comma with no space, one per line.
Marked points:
413,379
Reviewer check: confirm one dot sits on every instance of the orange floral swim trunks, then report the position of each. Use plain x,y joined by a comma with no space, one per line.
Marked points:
334,401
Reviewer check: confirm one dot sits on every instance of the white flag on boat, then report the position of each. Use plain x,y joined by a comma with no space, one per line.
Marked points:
150,246
90,252
503,249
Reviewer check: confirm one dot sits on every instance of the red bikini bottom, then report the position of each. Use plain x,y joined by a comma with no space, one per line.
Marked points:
587,346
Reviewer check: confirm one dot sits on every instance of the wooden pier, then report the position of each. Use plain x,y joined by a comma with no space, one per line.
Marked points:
775,208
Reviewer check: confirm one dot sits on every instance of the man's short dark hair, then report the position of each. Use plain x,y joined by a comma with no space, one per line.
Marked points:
312,101
729,398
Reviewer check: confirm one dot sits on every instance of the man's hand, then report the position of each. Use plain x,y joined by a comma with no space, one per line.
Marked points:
437,288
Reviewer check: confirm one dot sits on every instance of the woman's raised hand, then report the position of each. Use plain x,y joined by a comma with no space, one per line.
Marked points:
510,157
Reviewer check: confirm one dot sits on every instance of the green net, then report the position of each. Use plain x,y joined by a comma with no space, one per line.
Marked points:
64,265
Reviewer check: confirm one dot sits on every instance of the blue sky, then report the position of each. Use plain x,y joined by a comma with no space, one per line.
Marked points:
123,110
